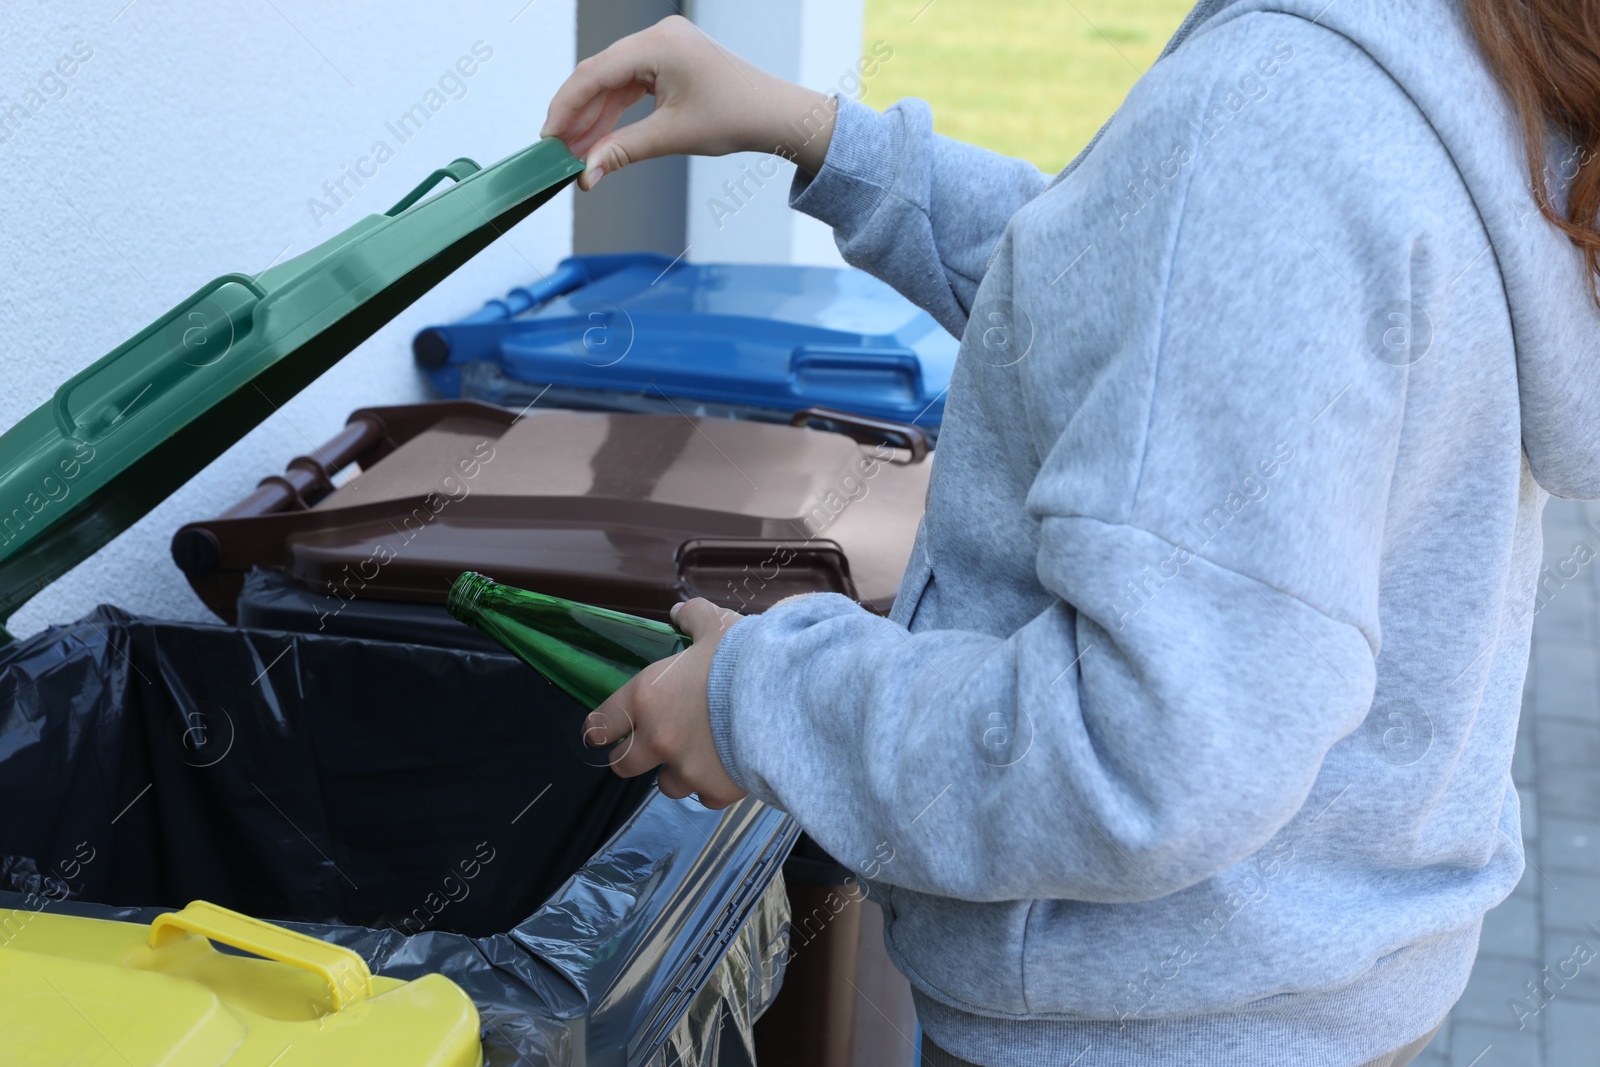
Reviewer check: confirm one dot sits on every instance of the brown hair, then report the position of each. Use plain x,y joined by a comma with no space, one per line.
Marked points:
1547,55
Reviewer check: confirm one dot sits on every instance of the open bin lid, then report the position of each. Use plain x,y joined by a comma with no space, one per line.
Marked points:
124,433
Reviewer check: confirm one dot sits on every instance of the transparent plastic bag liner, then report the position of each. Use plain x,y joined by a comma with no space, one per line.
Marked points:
436,801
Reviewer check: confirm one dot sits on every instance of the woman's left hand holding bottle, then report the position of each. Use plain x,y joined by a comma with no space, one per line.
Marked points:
663,719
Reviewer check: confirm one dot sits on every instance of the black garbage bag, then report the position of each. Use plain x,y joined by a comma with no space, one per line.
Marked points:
432,809
322,780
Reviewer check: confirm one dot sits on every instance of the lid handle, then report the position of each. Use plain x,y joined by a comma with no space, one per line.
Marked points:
192,336
867,430
458,170
900,363
349,981
820,565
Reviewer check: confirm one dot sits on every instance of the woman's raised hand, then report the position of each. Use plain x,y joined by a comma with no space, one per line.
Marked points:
709,102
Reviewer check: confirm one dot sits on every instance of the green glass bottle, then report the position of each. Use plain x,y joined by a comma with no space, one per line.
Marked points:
590,652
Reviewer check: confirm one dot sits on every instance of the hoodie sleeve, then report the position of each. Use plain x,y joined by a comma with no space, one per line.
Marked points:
1209,422
898,197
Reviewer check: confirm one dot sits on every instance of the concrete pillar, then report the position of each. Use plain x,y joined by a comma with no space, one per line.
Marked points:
640,208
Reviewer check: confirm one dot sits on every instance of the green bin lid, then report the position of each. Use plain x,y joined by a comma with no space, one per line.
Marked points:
121,435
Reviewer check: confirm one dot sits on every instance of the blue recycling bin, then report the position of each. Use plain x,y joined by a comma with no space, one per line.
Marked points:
641,332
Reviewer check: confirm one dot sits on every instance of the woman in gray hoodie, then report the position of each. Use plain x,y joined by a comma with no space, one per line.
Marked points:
1189,740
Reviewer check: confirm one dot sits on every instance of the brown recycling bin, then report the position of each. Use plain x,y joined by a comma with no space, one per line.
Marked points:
629,511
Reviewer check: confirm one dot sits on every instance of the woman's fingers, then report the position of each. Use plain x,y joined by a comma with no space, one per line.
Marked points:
637,755
586,121
700,618
610,722
650,744
671,785
585,111
623,64
608,111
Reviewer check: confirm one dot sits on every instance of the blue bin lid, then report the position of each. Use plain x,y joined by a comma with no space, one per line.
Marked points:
776,337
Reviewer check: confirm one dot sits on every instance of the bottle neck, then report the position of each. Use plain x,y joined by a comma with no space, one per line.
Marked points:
465,596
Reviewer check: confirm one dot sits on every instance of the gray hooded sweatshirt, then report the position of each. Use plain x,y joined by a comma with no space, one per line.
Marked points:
1189,739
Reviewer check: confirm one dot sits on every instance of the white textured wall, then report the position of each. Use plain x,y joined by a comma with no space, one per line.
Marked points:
814,42
189,145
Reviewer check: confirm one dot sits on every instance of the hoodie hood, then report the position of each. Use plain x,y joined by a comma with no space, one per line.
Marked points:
1428,48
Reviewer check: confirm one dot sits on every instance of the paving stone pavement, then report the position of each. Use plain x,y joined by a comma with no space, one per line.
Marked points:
1541,948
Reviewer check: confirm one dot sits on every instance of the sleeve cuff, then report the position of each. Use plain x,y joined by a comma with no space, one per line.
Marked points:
719,695
857,172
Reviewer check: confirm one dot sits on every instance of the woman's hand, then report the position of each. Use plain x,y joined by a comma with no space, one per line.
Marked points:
663,719
709,102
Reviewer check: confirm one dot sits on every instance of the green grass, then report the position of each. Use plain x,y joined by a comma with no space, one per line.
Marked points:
1030,78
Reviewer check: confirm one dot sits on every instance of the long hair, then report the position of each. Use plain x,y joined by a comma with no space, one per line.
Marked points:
1547,55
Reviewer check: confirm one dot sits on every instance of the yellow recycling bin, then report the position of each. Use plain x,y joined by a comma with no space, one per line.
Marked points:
94,993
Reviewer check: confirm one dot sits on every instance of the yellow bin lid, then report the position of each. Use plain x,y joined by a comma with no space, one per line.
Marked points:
95,993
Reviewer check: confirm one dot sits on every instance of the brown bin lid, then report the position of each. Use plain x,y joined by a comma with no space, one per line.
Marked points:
630,511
